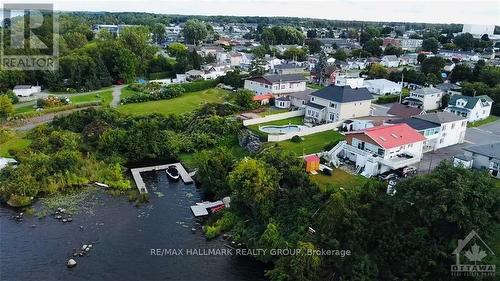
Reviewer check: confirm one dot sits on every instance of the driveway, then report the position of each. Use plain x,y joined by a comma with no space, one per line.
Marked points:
485,134
381,109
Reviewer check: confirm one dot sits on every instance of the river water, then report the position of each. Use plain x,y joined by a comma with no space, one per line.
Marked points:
122,236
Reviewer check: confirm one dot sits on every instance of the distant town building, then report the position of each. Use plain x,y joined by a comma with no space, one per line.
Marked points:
26,90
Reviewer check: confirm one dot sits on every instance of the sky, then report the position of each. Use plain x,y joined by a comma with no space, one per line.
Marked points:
439,11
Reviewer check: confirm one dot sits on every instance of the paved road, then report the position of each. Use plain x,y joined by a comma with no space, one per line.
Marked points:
117,91
485,134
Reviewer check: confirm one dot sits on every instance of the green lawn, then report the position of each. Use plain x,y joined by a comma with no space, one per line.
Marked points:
104,96
490,119
25,108
18,142
299,120
270,110
185,103
312,143
315,86
339,178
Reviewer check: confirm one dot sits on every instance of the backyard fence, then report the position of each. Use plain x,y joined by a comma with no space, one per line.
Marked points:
274,117
304,132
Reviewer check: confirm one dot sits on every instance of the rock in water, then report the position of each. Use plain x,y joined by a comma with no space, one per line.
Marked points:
71,263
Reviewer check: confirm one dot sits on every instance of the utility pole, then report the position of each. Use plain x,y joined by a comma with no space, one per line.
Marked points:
401,92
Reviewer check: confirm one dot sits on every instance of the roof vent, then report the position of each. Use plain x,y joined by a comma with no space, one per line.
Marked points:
382,138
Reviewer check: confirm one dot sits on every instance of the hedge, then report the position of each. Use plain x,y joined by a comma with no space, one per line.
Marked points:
199,85
390,98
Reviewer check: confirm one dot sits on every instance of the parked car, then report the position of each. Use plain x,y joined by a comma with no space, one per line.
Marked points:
387,176
407,171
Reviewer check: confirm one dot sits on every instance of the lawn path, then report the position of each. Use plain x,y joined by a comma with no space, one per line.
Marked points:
117,91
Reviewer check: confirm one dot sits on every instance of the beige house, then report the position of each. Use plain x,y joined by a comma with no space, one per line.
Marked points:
337,103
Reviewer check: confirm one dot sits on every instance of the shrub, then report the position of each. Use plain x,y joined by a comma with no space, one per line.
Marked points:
199,85
296,139
330,145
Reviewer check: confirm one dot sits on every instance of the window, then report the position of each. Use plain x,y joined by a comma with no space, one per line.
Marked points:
453,126
283,87
331,116
441,140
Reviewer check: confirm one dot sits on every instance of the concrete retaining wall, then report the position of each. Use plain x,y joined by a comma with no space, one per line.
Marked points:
274,117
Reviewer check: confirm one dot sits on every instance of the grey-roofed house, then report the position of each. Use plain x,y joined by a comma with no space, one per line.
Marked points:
288,68
425,98
282,102
473,108
338,103
449,88
485,156
299,99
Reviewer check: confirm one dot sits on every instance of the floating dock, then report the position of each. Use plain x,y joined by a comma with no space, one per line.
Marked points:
202,208
136,174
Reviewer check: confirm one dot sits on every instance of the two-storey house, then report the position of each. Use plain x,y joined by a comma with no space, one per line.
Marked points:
337,103
276,84
473,108
425,98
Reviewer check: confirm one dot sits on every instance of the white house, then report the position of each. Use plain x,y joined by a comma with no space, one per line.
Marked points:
276,84
282,102
379,149
485,156
451,129
407,59
382,87
473,108
459,55
26,90
425,98
346,80
235,58
337,103
390,61
441,129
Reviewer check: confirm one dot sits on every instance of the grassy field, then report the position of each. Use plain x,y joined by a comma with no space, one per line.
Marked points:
16,143
185,103
312,143
23,109
339,178
104,96
490,119
299,120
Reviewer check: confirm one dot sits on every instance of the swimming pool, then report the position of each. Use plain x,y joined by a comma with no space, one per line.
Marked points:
278,130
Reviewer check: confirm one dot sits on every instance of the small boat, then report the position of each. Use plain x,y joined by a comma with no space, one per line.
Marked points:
172,172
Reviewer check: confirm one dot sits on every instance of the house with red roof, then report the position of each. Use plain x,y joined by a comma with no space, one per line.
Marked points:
382,148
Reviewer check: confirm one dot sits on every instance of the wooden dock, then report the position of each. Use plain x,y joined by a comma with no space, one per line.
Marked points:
136,174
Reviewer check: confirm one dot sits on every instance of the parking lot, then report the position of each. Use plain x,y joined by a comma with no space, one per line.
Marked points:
485,134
